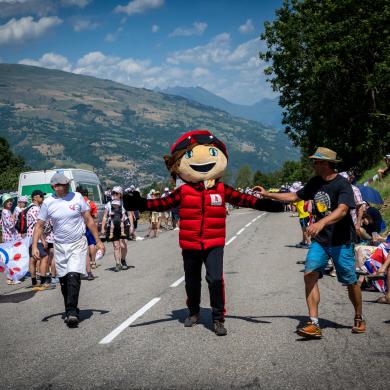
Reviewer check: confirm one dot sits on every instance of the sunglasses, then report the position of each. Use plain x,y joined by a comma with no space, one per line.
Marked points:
201,139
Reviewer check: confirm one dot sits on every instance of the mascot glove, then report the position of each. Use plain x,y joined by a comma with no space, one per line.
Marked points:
269,205
133,201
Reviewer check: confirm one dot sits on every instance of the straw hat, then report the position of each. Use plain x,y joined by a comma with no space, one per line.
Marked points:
325,154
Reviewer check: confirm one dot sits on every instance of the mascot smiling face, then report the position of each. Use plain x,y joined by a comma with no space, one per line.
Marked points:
197,156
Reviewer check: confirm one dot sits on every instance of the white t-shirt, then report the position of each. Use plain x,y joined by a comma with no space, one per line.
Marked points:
65,215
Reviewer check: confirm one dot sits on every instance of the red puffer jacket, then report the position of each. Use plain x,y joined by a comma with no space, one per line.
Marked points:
202,217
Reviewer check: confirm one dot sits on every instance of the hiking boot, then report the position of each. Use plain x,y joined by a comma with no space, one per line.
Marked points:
118,267
90,276
359,325
72,321
219,328
124,264
310,331
191,320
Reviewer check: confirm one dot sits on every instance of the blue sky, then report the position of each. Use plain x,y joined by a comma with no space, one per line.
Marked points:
144,43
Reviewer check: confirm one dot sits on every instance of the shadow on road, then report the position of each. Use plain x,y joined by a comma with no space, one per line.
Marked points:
83,315
303,319
16,298
205,318
113,268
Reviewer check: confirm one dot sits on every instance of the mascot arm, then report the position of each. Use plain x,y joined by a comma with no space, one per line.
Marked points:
239,199
134,201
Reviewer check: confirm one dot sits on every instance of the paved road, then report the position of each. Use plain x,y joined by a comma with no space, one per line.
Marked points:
265,303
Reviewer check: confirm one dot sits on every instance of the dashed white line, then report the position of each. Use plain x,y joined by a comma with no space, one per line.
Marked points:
129,321
231,240
248,224
178,281
240,231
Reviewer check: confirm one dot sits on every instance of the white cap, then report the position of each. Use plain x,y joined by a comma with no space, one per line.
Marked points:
296,186
117,189
166,189
99,255
23,198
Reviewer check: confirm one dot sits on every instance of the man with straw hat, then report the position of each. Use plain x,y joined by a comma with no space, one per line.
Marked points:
333,235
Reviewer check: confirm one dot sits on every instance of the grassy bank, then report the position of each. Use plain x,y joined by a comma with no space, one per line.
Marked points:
383,187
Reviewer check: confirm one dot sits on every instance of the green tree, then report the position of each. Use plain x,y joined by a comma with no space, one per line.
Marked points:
10,167
227,176
261,179
330,62
244,177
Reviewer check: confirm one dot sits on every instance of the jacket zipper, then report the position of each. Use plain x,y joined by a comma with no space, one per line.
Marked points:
201,223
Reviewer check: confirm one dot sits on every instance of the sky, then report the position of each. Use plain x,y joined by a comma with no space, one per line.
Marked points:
213,44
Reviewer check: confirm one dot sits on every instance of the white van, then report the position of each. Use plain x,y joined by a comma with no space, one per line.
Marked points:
40,180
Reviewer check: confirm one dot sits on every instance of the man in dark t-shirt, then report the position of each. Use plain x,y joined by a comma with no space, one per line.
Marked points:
333,235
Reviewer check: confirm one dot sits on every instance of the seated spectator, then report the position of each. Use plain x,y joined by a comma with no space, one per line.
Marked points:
383,172
372,221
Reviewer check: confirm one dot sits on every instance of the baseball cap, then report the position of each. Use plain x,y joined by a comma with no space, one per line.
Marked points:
59,178
23,198
38,192
117,189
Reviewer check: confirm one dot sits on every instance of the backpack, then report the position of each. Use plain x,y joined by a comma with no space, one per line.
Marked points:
21,223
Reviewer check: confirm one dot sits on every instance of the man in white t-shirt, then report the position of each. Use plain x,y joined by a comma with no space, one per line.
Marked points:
69,215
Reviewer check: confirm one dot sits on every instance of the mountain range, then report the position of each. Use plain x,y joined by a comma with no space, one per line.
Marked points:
59,119
266,111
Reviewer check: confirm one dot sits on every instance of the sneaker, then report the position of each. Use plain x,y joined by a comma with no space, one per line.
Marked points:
310,331
13,282
333,273
191,320
118,267
219,328
55,281
359,325
72,321
90,276
124,264
41,287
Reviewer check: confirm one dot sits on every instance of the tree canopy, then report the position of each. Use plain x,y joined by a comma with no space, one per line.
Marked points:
10,167
330,62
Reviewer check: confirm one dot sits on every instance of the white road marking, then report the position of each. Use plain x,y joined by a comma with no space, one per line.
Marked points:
231,240
178,281
240,231
248,224
129,321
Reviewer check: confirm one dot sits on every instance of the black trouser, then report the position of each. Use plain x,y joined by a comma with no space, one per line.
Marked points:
70,288
213,260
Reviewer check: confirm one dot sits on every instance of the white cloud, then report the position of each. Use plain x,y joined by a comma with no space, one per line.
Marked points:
51,61
247,28
213,52
199,72
234,72
20,30
198,28
78,3
155,28
139,6
112,37
84,24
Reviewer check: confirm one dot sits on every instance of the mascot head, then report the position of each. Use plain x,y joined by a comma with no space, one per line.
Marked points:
197,156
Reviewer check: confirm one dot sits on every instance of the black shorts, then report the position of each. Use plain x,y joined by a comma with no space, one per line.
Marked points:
50,245
42,251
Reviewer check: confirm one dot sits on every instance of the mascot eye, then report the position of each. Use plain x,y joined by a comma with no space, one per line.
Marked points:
188,154
213,152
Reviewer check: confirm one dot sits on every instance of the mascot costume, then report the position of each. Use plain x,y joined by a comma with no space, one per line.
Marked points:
199,159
